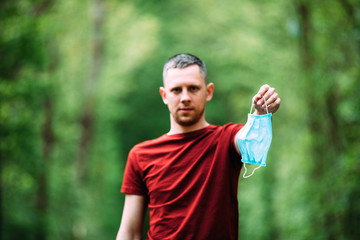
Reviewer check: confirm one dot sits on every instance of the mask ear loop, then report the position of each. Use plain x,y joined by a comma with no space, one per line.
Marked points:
252,171
267,111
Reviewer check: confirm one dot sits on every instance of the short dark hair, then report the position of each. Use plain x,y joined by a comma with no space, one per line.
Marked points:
184,60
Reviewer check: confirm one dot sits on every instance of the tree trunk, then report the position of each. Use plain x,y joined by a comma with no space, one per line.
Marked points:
327,126
87,118
42,196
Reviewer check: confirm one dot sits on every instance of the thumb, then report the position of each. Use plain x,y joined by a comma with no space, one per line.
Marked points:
257,100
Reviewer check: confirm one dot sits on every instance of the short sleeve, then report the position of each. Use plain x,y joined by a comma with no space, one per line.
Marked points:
233,129
133,182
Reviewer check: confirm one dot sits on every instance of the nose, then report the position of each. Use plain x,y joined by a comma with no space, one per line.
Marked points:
185,97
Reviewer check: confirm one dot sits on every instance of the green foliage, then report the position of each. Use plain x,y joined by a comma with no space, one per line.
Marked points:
51,51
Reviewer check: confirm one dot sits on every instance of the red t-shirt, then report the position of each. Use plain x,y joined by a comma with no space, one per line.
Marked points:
191,182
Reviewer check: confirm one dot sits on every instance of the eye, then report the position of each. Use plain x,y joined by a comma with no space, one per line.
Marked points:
193,88
176,90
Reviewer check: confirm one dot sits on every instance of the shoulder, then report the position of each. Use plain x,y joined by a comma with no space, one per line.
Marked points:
228,131
149,146
230,127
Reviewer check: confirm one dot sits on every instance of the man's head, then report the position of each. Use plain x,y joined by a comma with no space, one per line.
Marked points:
186,91
184,60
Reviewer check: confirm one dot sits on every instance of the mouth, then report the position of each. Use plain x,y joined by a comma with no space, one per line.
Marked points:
186,109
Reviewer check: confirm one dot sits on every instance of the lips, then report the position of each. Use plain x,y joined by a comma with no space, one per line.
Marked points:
186,109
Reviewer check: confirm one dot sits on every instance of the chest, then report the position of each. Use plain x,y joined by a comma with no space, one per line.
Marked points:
180,171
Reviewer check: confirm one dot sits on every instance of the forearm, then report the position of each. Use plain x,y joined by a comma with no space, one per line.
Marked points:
132,221
128,235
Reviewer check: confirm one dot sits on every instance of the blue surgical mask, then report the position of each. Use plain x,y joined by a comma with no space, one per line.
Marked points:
254,140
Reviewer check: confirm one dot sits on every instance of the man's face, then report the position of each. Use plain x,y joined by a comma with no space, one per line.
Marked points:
186,94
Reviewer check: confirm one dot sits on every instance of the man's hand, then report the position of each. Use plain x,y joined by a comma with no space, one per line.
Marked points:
271,97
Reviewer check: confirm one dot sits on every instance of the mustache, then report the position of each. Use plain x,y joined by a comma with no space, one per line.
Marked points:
185,107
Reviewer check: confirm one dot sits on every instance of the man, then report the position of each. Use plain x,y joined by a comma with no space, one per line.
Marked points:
188,178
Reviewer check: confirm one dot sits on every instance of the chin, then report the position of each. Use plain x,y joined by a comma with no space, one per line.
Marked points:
186,122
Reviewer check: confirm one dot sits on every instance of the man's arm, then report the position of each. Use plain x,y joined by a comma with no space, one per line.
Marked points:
133,218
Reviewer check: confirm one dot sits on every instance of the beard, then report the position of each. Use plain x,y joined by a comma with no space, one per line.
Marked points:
188,119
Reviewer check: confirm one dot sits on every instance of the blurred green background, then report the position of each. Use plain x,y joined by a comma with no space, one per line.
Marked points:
79,87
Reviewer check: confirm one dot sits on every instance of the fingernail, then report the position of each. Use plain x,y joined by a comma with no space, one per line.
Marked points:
259,102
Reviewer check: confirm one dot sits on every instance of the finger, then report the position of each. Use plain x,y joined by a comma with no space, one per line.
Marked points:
263,89
256,99
267,95
274,106
265,92
271,99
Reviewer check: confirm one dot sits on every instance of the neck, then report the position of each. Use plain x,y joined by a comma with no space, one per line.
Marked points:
176,128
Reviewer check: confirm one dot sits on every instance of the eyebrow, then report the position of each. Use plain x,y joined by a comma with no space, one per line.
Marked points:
188,86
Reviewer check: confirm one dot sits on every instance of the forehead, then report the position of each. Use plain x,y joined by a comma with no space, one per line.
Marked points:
187,75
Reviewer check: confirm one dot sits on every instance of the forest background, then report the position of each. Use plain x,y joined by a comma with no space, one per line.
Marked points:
79,87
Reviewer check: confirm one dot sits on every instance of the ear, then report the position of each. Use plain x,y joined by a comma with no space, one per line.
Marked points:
209,91
163,95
